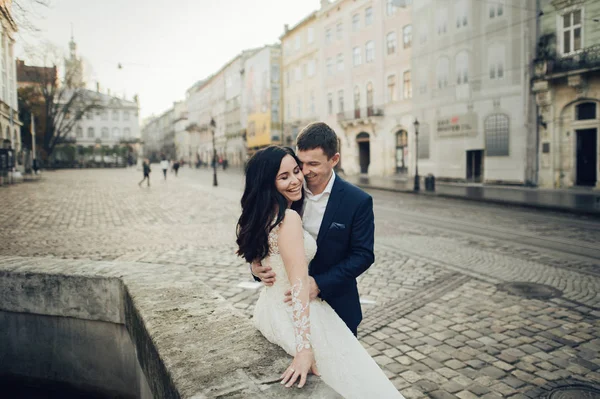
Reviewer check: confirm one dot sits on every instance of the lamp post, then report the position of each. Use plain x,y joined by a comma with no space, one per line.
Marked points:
417,186
213,125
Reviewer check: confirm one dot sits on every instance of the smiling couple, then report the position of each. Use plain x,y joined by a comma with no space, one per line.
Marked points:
308,235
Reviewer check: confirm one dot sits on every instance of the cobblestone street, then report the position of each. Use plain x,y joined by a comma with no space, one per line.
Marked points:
439,316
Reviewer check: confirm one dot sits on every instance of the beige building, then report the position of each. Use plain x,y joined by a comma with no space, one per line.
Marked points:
472,90
567,89
364,69
9,112
301,69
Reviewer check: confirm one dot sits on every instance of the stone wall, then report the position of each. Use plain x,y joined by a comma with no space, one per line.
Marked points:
190,343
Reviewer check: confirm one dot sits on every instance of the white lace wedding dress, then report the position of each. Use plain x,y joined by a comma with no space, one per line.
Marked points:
343,363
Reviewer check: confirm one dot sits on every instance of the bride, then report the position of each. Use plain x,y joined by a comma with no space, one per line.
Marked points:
270,230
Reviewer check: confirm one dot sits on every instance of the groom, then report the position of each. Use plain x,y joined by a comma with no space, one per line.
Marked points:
339,216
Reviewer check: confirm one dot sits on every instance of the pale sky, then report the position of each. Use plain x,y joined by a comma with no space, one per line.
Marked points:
165,46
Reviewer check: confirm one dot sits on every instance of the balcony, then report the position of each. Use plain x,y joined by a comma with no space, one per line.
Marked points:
585,60
359,116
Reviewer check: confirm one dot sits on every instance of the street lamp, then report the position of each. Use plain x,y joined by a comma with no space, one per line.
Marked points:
417,186
213,126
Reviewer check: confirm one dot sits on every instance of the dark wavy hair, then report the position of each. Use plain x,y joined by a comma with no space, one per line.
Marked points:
261,201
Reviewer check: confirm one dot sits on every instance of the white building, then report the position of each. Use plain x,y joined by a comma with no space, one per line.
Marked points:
365,76
262,98
9,112
235,126
116,120
301,69
183,145
472,90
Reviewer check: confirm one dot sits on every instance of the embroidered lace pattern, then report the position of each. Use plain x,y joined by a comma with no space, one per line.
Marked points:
300,312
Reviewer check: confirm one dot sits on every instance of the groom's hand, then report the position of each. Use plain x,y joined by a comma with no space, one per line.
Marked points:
264,273
313,291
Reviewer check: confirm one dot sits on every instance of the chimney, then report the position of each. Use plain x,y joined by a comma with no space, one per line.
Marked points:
108,92
97,87
286,28
324,3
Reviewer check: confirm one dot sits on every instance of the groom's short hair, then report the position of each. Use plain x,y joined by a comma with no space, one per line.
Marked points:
318,135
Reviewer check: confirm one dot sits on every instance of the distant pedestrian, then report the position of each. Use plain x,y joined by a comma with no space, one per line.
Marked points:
146,168
176,167
164,164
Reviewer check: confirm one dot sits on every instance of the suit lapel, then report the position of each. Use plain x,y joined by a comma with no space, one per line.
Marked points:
335,198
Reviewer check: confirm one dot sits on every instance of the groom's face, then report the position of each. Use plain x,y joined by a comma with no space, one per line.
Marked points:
317,168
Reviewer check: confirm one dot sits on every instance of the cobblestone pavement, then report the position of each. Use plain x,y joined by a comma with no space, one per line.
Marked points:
436,316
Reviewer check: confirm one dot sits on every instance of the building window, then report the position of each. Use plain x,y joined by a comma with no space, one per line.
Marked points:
461,12
127,132
401,151
298,73
355,22
91,133
496,61
442,72
391,84
370,99
585,111
496,135
423,34
89,115
571,32
310,35
356,102
341,101
423,141
339,30
330,103
340,62
104,132
390,8
115,115
391,43
125,115
441,21
311,66
104,115
496,9
356,59
462,68
369,52
407,85
407,36
368,16
116,132
297,42
328,36
79,132
329,66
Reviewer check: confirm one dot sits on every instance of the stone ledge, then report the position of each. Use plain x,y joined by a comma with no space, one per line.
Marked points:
189,341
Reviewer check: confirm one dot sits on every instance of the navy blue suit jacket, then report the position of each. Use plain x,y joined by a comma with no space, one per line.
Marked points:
344,249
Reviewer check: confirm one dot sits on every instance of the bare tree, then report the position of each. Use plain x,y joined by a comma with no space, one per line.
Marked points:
57,105
24,12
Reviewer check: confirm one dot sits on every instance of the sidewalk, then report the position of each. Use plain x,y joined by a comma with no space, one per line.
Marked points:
566,200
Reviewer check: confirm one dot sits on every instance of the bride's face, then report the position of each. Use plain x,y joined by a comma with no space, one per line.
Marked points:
289,179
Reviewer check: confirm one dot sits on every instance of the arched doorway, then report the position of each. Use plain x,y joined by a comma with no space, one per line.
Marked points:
586,146
364,151
402,152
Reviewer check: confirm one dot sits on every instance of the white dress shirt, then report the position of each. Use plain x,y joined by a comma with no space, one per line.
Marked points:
314,207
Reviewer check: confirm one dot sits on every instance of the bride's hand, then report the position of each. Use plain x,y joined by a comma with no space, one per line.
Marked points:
303,363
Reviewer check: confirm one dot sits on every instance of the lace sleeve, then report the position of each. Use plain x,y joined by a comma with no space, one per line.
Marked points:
301,315
291,249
